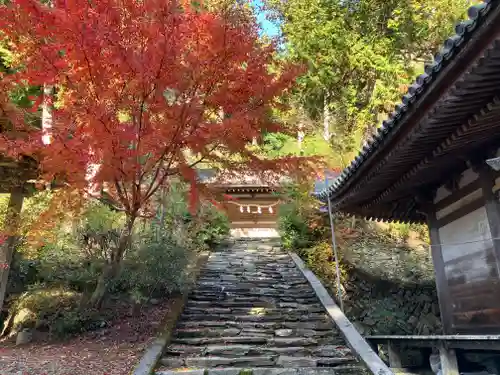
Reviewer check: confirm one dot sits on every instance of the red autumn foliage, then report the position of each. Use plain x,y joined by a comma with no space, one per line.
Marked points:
145,90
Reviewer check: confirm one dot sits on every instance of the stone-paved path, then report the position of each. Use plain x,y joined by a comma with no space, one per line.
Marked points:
253,309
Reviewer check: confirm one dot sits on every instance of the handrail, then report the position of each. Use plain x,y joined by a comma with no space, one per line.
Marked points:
355,341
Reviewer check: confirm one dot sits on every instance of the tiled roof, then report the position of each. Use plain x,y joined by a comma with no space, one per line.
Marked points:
478,14
231,178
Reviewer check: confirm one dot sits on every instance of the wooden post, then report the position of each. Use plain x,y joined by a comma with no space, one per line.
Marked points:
394,356
449,364
7,248
439,270
492,206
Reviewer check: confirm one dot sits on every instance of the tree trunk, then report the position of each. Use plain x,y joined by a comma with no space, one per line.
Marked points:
300,138
326,118
7,248
48,92
112,266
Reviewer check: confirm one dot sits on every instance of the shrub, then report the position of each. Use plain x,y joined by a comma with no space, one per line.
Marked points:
99,231
320,260
40,307
67,267
206,228
300,222
156,268
50,283
214,225
23,272
57,310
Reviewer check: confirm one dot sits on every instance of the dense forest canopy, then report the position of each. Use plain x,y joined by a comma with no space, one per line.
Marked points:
360,57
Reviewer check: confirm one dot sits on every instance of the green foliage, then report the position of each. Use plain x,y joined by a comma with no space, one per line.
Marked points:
22,96
157,267
207,227
300,222
40,307
56,310
217,228
401,232
67,267
61,274
99,230
360,55
319,258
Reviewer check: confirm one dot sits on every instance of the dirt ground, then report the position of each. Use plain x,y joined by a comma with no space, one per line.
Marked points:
112,351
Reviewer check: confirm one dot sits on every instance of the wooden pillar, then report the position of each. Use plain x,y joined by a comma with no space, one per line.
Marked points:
394,356
492,206
449,364
12,221
439,271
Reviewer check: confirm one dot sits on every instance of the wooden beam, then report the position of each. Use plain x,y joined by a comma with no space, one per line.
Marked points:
394,355
460,212
457,195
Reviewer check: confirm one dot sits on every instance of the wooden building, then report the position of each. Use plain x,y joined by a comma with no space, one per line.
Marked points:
251,202
427,164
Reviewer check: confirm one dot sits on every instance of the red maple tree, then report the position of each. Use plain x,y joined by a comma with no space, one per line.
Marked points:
143,91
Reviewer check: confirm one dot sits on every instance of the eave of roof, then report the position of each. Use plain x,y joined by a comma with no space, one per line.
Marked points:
422,86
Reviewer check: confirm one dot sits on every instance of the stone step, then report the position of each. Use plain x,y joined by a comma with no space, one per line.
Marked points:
231,276
248,360
253,289
252,262
252,310
252,299
339,370
318,325
284,295
292,317
276,341
250,331
245,285
229,280
299,310
232,304
270,304
327,351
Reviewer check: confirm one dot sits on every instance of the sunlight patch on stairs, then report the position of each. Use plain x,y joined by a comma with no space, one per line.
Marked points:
254,233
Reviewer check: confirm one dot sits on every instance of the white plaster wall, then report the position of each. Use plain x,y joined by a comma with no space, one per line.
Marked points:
468,176
467,235
441,193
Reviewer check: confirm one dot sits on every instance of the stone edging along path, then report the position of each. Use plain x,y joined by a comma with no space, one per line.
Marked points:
355,341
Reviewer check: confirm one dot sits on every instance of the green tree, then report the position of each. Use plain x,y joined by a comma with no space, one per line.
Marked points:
360,56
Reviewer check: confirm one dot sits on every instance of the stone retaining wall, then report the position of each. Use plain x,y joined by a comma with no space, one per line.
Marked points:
378,306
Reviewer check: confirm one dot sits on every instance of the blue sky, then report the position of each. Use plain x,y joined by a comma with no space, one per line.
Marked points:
267,28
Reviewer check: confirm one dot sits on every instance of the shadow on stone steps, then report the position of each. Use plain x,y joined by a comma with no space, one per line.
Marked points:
344,370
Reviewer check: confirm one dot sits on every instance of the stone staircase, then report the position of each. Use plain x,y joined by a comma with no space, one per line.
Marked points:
253,312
